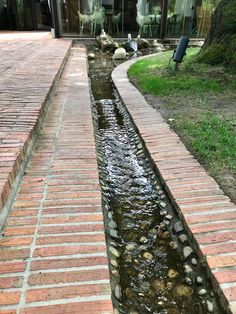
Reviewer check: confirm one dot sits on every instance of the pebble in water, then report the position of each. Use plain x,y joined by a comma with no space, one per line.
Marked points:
178,227
199,280
194,261
182,238
130,247
202,292
172,274
143,240
118,293
183,291
114,263
114,251
147,255
209,306
187,251
114,234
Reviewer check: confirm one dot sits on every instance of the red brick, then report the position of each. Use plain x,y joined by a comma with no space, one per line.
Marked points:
95,307
70,229
68,263
12,241
68,250
221,261
7,298
7,311
191,219
82,238
216,237
70,209
208,227
12,231
71,276
230,293
11,282
67,292
214,249
71,219
12,267
14,254
225,275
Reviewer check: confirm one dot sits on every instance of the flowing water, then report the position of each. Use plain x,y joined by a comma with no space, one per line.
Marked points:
149,273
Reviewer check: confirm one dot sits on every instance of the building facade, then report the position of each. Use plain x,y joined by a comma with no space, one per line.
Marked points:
86,18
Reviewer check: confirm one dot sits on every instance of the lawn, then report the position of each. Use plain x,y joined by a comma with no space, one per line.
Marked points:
198,100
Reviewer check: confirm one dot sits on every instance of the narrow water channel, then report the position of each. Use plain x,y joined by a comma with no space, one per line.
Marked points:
149,272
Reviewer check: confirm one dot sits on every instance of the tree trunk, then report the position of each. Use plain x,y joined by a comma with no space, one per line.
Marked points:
220,43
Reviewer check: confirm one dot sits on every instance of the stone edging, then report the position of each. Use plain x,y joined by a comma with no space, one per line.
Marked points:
208,214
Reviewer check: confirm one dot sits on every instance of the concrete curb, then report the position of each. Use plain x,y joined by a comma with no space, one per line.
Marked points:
208,214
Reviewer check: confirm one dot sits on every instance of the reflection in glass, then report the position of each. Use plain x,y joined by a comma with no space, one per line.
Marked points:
189,17
149,17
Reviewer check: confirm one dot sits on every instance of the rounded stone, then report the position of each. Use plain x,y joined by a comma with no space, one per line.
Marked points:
114,234
178,227
199,280
183,238
172,274
114,251
187,269
147,255
183,291
173,245
109,215
114,263
143,240
112,224
118,293
209,306
187,251
130,247
188,281
194,261
202,292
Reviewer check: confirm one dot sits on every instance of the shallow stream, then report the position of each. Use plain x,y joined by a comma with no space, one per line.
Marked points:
152,265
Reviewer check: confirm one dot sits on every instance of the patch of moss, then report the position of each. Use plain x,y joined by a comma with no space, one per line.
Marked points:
213,55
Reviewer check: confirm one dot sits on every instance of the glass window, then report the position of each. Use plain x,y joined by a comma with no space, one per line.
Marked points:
149,16
189,17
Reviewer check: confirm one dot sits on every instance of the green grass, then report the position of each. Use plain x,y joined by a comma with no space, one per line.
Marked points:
212,138
194,96
191,78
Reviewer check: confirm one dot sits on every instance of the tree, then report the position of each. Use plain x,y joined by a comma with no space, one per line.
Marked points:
220,43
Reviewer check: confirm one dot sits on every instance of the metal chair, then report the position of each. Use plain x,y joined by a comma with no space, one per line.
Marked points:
98,18
116,21
83,20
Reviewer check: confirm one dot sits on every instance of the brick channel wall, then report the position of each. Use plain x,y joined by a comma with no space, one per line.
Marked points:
209,215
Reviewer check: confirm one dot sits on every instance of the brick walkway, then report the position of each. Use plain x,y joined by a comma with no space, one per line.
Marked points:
210,216
53,252
29,67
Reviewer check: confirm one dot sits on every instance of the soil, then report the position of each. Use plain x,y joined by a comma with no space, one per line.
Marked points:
174,107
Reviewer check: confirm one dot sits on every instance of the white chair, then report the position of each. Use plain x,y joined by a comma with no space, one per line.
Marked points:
116,21
145,23
98,18
83,20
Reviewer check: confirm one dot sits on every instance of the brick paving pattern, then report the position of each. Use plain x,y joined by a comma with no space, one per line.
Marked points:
53,256
209,215
28,69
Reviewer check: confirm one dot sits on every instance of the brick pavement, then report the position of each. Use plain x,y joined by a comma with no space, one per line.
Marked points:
53,256
30,65
209,215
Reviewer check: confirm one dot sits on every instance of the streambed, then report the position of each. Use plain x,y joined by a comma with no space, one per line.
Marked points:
152,264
